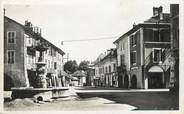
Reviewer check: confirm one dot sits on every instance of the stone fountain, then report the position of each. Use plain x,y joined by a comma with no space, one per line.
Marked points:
39,91
40,80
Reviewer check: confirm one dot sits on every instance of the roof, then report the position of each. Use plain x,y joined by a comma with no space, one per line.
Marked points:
154,19
42,38
112,53
151,22
144,25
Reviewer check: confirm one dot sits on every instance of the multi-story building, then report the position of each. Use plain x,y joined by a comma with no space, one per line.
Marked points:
90,75
105,69
21,53
174,15
147,53
123,61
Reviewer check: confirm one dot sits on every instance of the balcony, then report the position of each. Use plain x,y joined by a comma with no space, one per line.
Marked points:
41,46
150,44
162,58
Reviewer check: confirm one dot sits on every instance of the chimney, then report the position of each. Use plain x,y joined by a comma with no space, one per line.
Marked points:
134,25
157,12
26,21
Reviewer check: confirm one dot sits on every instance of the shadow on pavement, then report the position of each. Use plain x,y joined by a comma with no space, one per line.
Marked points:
141,100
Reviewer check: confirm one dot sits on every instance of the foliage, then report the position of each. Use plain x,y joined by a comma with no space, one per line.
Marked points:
71,66
84,65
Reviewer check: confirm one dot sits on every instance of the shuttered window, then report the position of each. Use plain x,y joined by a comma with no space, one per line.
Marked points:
11,57
11,35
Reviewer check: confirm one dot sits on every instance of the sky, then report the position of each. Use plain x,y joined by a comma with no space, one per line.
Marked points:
85,19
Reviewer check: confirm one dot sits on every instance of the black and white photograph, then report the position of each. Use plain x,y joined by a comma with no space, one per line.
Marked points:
91,55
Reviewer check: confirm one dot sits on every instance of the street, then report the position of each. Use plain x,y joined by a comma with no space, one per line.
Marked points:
152,99
90,98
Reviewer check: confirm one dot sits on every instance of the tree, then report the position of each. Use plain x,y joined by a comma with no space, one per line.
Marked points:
71,66
84,65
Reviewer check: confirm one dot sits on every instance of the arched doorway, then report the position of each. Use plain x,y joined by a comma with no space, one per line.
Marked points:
134,82
155,77
120,80
126,81
8,83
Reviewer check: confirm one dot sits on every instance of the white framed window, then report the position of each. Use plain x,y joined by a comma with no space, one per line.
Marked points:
11,36
133,57
11,56
157,55
120,47
123,46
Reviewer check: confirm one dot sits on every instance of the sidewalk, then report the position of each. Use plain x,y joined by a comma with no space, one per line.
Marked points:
112,89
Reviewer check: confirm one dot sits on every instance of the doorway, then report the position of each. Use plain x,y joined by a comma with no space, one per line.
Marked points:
126,81
134,82
155,80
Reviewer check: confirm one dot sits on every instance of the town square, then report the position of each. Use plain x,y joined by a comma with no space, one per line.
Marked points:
91,56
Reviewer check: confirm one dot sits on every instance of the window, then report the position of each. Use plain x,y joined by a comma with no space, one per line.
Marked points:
120,47
106,69
11,57
48,63
122,59
156,35
55,65
133,58
49,51
109,68
123,46
133,40
114,67
29,59
157,55
165,35
11,36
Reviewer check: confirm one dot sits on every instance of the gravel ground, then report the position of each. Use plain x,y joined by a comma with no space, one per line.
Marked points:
88,104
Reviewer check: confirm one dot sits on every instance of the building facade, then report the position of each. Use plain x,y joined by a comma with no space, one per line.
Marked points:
123,61
174,10
148,53
90,75
106,69
22,44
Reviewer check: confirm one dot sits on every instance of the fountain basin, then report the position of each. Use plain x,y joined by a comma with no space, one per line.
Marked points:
41,94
